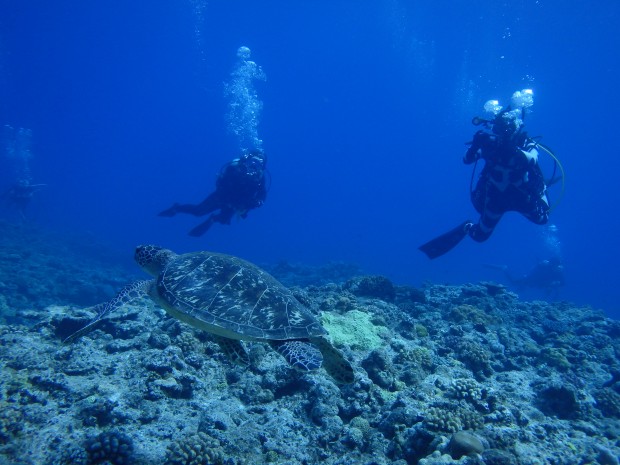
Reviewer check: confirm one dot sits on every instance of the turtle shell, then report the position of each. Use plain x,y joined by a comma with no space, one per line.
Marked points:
227,295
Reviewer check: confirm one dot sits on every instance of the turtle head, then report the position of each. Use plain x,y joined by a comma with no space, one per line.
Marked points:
152,258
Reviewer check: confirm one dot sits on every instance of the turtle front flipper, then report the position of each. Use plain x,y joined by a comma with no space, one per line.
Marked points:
301,355
126,295
335,364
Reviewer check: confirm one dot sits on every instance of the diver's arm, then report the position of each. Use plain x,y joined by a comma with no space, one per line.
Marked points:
260,198
473,152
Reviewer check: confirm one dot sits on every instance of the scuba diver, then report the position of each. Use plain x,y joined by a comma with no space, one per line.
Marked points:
239,188
511,179
17,154
547,275
19,195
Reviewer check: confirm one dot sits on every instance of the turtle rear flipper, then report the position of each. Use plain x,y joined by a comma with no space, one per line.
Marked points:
100,310
127,294
301,355
334,362
234,349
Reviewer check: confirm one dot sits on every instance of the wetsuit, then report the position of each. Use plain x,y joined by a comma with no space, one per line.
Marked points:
511,180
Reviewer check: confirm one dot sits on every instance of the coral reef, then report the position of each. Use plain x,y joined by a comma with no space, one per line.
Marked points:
444,375
197,449
111,447
378,287
463,443
83,271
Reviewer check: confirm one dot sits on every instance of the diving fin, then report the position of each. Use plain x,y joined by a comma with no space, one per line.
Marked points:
446,242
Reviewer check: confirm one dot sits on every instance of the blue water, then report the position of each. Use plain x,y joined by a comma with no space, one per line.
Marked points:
365,111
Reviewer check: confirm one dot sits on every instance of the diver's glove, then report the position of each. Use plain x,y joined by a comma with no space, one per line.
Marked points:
474,146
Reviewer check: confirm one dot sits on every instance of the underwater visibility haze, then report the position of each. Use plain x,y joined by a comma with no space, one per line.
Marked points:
362,111
111,112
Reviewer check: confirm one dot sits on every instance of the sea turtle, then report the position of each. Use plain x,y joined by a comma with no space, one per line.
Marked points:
233,300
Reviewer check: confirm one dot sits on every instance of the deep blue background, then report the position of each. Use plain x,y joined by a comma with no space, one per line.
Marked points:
367,106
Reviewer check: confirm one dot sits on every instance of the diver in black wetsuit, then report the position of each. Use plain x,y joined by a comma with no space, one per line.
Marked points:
20,194
240,187
511,179
547,275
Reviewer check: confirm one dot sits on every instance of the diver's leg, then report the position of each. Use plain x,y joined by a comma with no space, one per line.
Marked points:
168,212
486,224
491,204
537,211
225,215
208,205
479,199
202,227
478,196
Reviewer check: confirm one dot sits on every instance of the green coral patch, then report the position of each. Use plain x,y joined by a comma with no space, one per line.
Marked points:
353,329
